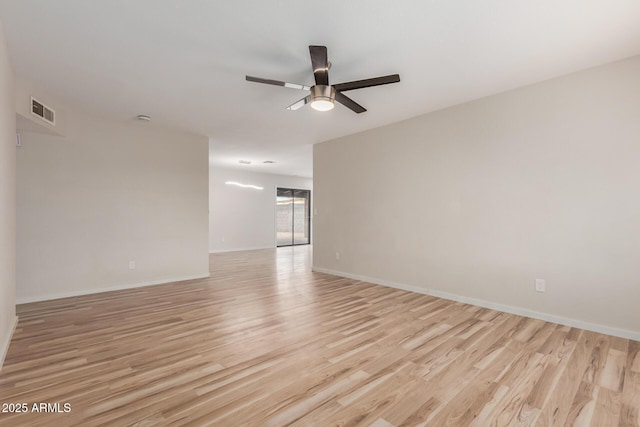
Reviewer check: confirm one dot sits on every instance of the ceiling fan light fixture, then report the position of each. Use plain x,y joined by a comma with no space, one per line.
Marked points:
323,97
322,104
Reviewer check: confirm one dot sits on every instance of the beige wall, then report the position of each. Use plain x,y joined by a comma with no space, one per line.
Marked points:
105,194
477,201
7,200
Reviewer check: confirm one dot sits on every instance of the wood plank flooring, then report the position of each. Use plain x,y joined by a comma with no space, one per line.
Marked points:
266,342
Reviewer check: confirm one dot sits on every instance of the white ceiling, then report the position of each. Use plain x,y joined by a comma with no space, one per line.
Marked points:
184,61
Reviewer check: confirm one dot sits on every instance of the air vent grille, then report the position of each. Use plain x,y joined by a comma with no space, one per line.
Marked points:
45,113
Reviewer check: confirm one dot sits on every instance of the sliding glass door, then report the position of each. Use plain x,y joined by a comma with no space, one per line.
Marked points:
293,217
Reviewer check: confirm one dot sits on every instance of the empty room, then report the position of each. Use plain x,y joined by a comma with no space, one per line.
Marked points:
339,213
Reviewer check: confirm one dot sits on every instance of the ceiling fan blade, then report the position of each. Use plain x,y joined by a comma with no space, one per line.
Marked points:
277,83
320,64
376,81
299,104
349,103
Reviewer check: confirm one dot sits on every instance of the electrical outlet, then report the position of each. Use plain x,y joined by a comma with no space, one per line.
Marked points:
541,285
337,255
132,265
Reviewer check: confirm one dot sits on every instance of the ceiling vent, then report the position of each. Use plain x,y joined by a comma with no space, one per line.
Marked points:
45,113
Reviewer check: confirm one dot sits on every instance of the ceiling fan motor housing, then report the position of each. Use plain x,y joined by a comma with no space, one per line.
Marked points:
322,92
322,97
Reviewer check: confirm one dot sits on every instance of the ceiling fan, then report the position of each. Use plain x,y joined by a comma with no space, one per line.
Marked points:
323,94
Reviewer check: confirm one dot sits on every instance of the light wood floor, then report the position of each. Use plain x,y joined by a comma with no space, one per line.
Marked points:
266,342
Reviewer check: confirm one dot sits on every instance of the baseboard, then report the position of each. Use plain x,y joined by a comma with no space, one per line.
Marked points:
255,248
5,345
24,300
622,333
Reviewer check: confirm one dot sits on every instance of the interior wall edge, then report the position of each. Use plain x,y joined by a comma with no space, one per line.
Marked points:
5,345
547,317
38,298
256,248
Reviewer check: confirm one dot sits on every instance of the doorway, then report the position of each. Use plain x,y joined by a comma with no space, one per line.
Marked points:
293,217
